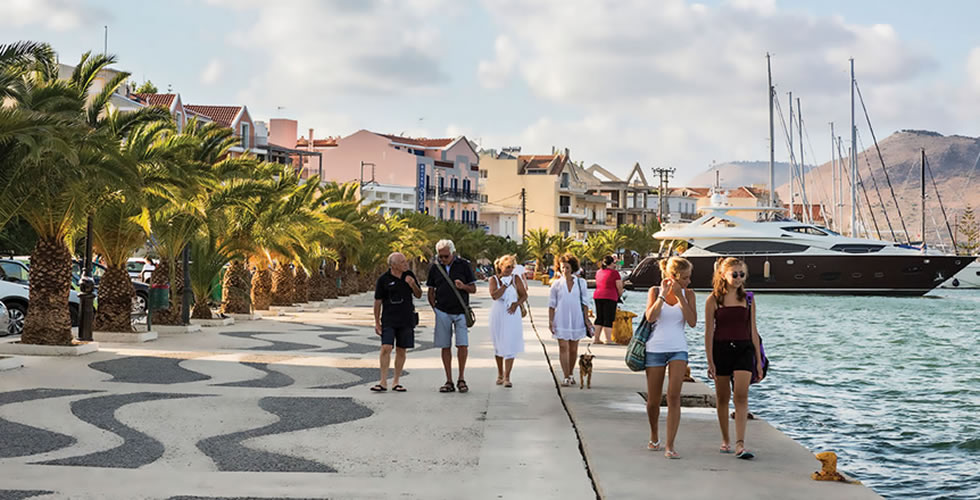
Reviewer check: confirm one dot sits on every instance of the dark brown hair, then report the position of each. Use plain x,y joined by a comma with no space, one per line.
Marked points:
720,285
607,261
571,260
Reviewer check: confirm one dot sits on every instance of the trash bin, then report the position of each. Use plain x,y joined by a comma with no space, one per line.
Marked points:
623,327
159,298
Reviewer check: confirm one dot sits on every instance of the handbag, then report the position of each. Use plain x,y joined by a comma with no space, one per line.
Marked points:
585,320
756,378
636,350
470,316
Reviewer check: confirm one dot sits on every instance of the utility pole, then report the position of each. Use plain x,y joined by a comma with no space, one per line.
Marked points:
523,214
664,174
105,41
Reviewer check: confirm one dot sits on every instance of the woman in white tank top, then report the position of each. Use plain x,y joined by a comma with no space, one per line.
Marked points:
672,306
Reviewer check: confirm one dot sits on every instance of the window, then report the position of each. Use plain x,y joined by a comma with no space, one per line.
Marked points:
452,214
483,174
442,184
180,122
466,216
804,230
564,180
857,248
426,182
245,136
441,214
754,247
564,227
15,271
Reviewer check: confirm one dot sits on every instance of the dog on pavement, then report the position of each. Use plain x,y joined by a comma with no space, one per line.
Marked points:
585,370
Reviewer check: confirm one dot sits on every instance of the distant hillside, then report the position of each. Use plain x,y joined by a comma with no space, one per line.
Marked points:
952,159
742,173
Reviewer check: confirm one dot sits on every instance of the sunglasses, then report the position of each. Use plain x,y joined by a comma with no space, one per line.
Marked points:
738,274
445,257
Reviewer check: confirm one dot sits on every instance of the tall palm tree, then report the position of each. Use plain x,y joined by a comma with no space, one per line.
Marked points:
564,244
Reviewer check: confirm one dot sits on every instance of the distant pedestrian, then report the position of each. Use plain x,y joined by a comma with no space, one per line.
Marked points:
449,300
731,342
506,326
568,320
608,289
394,317
670,306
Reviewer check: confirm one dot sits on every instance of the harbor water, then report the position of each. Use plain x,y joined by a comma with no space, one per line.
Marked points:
892,385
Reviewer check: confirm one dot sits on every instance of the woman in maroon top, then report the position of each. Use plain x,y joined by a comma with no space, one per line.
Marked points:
731,342
608,289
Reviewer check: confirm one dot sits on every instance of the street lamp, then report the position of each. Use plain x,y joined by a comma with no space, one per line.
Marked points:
86,285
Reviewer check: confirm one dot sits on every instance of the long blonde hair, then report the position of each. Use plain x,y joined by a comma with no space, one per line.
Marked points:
720,285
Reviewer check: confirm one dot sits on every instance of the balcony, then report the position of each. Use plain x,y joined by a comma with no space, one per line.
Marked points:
471,196
568,211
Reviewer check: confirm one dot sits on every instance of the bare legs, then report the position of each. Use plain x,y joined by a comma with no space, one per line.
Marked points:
447,361
504,366
399,364
675,381
386,361
723,394
655,387
607,330
567,356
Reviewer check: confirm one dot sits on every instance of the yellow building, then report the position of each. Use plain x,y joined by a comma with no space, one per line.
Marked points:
555,189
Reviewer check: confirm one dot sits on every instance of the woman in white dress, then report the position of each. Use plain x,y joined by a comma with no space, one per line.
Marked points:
506,325
568,315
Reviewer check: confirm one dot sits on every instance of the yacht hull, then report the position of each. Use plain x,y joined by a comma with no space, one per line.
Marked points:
896,275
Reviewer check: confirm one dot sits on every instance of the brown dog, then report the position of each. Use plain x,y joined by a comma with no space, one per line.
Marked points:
585,370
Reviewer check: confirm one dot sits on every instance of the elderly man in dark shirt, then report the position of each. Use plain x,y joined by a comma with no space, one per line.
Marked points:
450,312
394,317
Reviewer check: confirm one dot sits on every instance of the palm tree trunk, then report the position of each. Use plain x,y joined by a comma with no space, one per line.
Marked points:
262,289
235,289
48,321
115,302
316,286
201,309
330,283
301,288
282,285
160,276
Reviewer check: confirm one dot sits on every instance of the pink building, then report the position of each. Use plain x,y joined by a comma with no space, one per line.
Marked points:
437,176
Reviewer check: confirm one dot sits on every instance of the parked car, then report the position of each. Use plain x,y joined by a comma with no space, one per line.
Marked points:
16,298
140,298
15,271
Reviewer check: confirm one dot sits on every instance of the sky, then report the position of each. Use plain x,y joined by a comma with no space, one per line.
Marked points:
667,83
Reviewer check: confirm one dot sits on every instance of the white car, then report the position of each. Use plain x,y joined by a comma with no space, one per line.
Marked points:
139,269
16,297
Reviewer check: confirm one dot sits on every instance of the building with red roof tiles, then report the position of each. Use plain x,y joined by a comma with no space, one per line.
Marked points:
439,176
238,119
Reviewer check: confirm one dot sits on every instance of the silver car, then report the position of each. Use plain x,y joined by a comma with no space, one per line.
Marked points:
4,320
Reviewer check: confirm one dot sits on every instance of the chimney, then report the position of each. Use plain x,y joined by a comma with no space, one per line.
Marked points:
311,140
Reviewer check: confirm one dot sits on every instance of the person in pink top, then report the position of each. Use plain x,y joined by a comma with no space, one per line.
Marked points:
608,289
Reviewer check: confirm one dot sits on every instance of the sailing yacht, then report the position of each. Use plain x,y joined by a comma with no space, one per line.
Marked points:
784,255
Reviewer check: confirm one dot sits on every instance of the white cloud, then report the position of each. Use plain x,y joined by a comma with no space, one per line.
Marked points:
212,72
494,74
56,15
973,69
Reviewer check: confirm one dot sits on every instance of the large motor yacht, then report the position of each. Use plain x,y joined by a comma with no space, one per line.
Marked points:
784,255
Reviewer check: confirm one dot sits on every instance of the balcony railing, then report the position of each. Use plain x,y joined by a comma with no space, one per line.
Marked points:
453,194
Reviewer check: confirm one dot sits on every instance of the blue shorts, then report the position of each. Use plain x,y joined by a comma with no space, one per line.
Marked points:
445,325
662,358
399,336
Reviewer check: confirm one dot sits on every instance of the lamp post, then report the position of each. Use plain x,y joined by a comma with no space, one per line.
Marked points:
86,284
185,306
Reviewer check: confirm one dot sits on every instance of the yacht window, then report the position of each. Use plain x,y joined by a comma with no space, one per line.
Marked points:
804,230
857,248
754,247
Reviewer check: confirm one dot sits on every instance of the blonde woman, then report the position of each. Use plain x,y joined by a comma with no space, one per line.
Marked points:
731,342
506,325
672,306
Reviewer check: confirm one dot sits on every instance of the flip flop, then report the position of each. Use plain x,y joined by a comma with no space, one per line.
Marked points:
725,448
508,384
399,388
654,446
745,454
671,454
500,380
379,388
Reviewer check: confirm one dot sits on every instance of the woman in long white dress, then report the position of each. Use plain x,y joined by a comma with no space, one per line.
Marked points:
506,325
567,315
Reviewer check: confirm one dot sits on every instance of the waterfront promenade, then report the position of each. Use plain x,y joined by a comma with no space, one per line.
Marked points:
279,408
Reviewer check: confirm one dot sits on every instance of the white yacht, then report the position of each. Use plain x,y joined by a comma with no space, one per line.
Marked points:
789,256
969,277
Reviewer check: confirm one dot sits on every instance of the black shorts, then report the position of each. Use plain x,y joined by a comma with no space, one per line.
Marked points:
605,312
399,336
731,356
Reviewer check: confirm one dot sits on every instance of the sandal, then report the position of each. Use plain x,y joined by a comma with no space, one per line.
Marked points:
461,384
448,387
671,454
744,453
399,388
564,382
508,384
379,388
654,446
725,448
598,342
500,380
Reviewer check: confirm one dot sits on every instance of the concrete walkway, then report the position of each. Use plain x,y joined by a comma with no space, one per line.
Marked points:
280,408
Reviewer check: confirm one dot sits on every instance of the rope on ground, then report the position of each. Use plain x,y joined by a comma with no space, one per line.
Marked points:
564,404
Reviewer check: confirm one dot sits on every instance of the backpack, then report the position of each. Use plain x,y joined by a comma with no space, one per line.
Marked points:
762,350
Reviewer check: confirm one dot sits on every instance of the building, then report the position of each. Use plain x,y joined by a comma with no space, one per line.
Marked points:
755,195
632,201
436,176
556,191
238,119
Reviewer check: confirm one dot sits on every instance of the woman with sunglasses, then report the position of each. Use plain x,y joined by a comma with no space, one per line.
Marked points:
731,342
506,325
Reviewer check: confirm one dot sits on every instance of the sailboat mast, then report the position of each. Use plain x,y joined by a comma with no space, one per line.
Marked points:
792,162
922,200
772,145
833,182
853,155
803,201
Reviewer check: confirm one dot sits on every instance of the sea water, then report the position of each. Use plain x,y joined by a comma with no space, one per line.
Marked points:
892,385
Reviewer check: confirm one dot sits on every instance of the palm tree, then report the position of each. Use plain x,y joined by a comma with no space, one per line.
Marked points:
539,243
564,244
637,239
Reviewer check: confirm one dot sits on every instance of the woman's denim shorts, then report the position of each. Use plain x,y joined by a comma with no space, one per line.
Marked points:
662,358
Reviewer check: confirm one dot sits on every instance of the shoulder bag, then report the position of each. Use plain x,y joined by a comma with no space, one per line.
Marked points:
470,316
584,304
636,350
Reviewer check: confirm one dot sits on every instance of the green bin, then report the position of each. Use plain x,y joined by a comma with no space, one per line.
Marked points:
159,297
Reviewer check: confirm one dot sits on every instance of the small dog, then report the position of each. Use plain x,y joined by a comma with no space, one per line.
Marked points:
585,370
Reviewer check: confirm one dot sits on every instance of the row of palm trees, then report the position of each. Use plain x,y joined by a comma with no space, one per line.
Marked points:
69,158
634,241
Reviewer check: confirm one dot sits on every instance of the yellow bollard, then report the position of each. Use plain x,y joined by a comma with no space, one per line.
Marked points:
623,327
828,469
